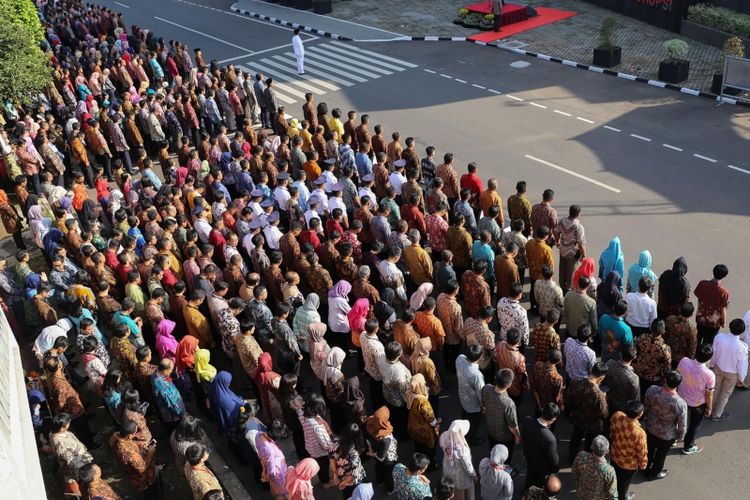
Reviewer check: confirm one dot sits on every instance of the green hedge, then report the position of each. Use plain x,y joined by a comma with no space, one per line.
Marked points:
721,19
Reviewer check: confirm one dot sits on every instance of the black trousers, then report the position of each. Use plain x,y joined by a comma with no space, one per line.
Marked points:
475,421
376,393
624,477
496,22
324,474
450,353
706,334
695,417
576,437
657,453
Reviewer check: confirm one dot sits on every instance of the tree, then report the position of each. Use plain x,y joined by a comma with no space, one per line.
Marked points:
24,68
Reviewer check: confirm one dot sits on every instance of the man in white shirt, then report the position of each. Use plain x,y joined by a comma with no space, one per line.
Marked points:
299,51
281,193
320,192
372,352
272,232
641,308
247,241
729,364
366,190
201,225
397,177
390,274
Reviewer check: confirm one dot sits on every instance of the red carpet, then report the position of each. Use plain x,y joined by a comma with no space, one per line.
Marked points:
512,12
546,16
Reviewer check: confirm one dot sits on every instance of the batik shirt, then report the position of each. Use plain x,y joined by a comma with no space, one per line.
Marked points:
594,477
409,487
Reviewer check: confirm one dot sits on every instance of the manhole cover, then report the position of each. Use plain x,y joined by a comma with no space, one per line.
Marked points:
520,64
513,44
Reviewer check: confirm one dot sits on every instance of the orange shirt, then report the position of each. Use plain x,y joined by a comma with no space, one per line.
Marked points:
80,194
428,325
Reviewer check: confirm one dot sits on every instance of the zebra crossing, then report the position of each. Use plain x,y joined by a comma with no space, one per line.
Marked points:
329,67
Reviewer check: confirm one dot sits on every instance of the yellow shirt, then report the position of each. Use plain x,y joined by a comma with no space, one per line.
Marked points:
198,327
538,255
419,263
336,126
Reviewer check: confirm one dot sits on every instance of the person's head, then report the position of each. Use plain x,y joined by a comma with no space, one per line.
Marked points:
672,379
547,272
621,308
166,366
128,429
687,309
393,351
89,473
351,438
737,327
452,287
550,412
485,314
552,317
703,353
574,211
513,337
196,454
720,271
583,334
418,463
315,405
645,284
475,353
371,327
516,290
633,409
598,372
600,446
628,353
60,422
503,378
541,233
89,344
658,327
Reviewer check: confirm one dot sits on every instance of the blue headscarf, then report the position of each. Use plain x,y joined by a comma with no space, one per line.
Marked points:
225,403
640,269
52,240
32,283
612,259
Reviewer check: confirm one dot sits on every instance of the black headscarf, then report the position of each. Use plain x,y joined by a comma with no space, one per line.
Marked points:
383,309
608,290
673,285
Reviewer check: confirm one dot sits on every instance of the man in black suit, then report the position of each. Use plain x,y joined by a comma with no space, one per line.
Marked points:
540,446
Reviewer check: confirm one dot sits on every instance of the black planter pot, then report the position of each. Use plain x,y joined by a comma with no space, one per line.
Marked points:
716,83
322,7
288,3
303,4
674,70
606,58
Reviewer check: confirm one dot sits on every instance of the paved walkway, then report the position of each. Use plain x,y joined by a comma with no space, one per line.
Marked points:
573,39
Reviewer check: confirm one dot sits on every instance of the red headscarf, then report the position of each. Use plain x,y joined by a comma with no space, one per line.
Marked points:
587,268
185,355
264,379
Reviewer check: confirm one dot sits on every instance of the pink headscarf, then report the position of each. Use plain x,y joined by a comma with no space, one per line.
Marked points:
424,290
358,315
341,290
298,486
166,344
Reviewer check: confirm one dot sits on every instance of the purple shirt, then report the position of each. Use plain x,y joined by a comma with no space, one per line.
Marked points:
696,380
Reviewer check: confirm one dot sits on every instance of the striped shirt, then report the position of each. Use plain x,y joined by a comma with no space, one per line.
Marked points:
317,441
570,234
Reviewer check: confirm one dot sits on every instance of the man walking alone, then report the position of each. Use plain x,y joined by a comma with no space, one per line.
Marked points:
299,51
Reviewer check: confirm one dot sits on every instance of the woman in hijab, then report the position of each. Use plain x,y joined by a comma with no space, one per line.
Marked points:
423,426
274,464
204,371
612,259
166,344
225,404
52,240
184,362
357,317
638,270
333,382
495,480
608,294
363,492
318,348
674,289
424,291
291,403
420,362
588,269
299,480
304,316
89,215
38,224
457,464
338,309
383,310
267,381
354,402
384,444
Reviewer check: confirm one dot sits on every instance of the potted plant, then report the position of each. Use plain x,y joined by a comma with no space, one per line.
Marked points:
303,4
487,22
675,68
322,6
473,20
732,47
461,17
607,54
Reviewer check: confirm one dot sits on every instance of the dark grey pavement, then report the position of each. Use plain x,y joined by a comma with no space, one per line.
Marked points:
663,171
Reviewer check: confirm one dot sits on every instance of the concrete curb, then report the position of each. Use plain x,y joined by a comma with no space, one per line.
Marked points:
544,57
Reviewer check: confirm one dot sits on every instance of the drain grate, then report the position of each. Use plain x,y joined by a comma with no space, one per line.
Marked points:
513,44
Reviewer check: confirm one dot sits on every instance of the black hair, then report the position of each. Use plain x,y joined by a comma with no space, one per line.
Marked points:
503,378
418,462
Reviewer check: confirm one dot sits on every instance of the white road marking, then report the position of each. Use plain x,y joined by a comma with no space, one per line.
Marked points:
537,105
586,120
123,5
478,86
241,16
494,91
291,70
223,61
446,76
738,169
325,74
669,146
243,56
574,174
704,157
430,71
562,113
513,97
254,67
636,136
375,54
613,129
459,80
204,34
349,70
371,60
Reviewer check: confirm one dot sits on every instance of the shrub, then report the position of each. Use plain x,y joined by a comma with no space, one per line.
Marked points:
489,17
606,32
463,12
734,47
720,19
676,49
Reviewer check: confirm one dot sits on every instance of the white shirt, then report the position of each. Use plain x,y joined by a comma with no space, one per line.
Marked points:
336,202
338,309
282,197
396,179
273,234
363,191
730,354
641,309
330,180
391,275
310,215
322,200
745,337
202,227
298,46
257,209
247,242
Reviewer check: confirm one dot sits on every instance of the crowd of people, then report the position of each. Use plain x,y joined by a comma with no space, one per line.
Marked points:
231,255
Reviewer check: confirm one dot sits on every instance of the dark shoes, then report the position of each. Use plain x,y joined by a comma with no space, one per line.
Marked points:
664,473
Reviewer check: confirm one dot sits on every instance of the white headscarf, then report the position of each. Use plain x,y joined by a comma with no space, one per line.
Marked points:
333,365
453,441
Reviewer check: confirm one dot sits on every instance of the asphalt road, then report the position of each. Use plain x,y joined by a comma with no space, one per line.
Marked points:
661,170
